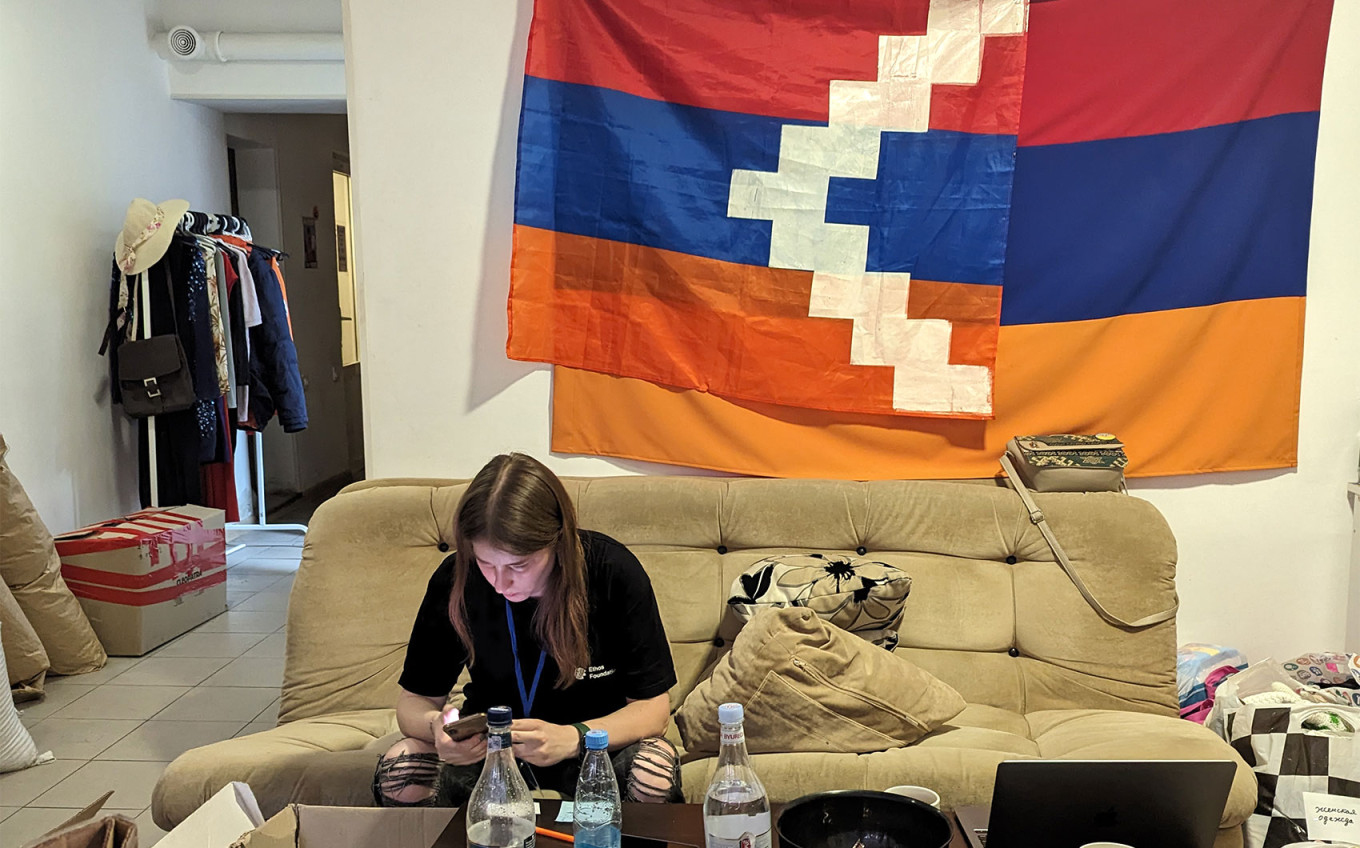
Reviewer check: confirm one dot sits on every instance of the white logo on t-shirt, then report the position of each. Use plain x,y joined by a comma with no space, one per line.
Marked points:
595,672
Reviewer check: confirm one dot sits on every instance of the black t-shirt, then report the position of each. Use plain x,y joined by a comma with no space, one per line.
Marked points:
629,654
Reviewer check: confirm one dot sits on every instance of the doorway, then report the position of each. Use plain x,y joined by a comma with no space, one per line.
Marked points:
290,179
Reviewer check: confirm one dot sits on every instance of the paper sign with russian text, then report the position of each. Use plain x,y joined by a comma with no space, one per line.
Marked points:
1332,817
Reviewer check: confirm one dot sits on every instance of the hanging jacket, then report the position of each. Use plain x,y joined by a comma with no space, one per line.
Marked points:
276,383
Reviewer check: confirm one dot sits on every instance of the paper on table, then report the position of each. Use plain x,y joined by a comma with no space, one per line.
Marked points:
564,812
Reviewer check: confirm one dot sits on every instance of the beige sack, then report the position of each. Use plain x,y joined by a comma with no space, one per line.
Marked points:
30,567
24,655
809,686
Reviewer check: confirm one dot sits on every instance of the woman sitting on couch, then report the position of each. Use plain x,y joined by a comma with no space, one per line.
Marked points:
528,598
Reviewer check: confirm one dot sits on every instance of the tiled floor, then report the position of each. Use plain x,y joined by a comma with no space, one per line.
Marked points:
118,727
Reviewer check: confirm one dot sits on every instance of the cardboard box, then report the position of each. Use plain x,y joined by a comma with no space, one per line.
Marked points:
303,826
148,577
222,821
83,830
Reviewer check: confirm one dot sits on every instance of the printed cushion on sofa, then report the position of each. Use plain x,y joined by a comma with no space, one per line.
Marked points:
810,686
857,595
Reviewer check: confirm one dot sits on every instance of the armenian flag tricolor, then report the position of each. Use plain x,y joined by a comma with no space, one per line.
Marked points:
1097,221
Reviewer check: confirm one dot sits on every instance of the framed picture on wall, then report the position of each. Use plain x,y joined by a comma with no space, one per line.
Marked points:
309,242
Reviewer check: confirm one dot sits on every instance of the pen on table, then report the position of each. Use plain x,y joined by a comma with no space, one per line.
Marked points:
565,837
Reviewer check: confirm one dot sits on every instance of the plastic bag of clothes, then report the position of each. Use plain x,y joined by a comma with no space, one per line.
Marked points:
1337,675
1293,748
1200,669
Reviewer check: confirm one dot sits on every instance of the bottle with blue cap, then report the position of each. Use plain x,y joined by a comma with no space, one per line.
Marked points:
736,808
597,817
500,811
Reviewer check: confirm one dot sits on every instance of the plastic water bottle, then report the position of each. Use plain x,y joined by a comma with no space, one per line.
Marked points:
500,811
597,817
736,808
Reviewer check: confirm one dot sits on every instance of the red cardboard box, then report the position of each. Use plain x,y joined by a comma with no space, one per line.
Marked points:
148,577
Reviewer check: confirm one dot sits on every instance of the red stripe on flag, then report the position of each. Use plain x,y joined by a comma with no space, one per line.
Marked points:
993,105
1108,70
127,598
761,57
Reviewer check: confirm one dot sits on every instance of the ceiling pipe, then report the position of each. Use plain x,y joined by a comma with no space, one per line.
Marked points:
186,44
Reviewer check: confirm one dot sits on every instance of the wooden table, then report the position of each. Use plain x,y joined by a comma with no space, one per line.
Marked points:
675,825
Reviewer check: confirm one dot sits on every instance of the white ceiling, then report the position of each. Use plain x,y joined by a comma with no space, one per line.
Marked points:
283,87
247,15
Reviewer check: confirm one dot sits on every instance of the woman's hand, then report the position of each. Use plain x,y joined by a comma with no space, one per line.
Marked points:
539,743
469,751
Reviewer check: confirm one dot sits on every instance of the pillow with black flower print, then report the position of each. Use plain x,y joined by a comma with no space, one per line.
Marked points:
858,595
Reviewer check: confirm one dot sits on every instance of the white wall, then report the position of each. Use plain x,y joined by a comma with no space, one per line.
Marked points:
1265,557
433,131
87,126
302,147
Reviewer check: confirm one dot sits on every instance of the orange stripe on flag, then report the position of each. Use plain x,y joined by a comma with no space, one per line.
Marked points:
1187,391
741,331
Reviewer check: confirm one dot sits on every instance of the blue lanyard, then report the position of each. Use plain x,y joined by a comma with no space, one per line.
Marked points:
526,700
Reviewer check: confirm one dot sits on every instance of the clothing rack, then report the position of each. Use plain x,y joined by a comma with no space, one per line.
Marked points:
256,440
208,224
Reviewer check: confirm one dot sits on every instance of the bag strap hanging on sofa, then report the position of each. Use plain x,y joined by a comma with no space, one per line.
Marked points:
1036,516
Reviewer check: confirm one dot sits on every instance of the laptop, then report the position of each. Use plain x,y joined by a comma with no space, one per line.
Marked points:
1071,803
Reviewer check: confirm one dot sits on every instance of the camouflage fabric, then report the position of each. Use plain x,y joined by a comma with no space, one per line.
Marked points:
1070,450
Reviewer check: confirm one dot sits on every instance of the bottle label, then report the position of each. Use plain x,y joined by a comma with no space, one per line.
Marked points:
732,734
746,840
528,843
737,831
497,741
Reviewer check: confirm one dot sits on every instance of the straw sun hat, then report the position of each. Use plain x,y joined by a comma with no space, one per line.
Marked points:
147,230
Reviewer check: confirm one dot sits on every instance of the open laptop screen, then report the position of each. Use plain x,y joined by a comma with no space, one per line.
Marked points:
1142,803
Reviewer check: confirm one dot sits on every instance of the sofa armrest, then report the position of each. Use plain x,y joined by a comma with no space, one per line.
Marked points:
327,760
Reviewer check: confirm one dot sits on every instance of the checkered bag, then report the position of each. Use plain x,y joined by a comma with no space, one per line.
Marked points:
1294,749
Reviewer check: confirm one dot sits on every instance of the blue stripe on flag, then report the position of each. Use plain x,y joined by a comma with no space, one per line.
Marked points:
601,163
1142,224
597,162
939,207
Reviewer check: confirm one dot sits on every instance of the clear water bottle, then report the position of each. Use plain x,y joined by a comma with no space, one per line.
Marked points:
736,808
500,811
597,817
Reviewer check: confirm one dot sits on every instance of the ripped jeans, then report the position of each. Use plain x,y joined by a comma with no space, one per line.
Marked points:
410,775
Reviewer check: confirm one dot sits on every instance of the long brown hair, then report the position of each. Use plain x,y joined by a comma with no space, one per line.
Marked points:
517,505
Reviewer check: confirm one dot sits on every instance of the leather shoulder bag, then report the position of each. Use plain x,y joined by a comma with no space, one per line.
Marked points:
153,373
1069,462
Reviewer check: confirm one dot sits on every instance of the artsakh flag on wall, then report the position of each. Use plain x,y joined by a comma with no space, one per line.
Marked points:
1154,267
785,201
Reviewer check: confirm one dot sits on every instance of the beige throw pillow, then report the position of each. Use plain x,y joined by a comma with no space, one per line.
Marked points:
807,685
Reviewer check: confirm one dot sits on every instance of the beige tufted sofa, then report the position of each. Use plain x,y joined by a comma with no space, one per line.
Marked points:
990,613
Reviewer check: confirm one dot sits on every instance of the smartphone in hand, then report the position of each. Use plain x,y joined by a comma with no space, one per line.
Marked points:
466,728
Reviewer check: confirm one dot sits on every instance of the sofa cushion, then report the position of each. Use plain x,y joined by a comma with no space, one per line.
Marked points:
810,686
859,596
959,759
325,760
1113,735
